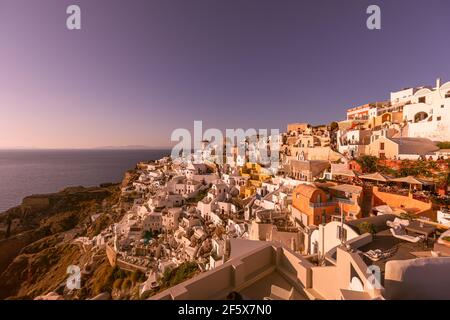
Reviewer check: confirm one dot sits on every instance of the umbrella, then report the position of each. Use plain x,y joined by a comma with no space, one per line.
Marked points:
408,180
346,173
375,177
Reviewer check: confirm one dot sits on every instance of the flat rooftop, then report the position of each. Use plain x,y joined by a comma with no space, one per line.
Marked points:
263,270
402,250
265,287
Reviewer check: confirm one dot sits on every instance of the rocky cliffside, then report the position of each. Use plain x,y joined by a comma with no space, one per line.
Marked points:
36,240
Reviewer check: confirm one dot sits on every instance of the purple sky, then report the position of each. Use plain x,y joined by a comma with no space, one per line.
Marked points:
139,69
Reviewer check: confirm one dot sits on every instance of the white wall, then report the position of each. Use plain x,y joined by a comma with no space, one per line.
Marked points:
402,95
437,126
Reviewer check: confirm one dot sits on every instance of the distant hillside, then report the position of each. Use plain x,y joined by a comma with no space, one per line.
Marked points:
131,147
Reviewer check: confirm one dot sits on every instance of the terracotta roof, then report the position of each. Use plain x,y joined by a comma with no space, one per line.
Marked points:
348,188
316,167
305,190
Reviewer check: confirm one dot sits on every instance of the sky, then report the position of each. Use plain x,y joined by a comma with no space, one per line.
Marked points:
139,69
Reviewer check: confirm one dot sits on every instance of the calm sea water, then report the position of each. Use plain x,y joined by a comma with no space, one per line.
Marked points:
26,172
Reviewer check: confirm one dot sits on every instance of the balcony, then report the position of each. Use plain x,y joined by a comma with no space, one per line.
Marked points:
345,200
322,204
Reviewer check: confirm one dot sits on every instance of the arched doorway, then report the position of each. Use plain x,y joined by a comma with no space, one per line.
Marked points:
420,116
387,117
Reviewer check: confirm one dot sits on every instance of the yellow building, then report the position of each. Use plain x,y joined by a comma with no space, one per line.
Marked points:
256,176
392,117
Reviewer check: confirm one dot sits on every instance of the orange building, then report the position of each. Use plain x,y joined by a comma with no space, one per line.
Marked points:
312,205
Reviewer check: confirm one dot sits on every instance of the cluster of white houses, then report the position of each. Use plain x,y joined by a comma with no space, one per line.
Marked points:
406,126
296,234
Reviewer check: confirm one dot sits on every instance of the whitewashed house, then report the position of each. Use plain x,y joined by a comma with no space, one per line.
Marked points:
428,115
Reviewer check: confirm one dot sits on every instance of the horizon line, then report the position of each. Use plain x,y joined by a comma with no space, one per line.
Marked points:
88,148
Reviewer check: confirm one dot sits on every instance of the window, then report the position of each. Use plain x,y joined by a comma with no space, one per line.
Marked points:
422,100
382,146
438,118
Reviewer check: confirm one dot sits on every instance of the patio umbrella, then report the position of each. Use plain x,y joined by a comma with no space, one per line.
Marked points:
375,177
346,173
409,180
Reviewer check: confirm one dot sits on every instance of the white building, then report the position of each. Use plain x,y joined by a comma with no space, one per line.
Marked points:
353,142
360,113
428,115
152,222
402,96
170,218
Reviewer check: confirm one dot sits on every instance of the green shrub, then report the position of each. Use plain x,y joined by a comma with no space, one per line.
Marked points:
103,279
367,227
119,273
444,145
117,284
126,284
137,276
368,163
175,276
407,216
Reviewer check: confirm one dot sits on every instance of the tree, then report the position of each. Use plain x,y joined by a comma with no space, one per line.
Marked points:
148,235
368,163
334,126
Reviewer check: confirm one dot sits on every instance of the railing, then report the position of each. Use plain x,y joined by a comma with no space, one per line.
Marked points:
322,204
345,200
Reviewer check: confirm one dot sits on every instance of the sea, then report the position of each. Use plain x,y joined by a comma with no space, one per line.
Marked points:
27,172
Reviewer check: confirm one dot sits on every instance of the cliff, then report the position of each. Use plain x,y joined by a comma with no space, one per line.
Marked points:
36,244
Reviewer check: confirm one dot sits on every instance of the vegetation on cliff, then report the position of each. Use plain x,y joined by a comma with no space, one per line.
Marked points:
37,247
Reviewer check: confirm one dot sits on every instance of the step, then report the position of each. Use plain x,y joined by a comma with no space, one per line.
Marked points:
312,294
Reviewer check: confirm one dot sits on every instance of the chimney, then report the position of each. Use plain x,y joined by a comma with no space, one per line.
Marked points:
438,83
